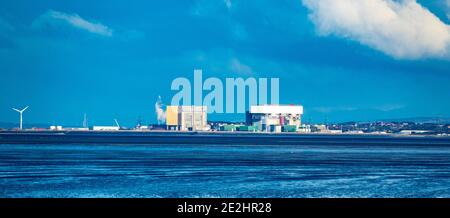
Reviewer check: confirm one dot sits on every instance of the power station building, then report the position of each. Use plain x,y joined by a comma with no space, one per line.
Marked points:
186,118
275,118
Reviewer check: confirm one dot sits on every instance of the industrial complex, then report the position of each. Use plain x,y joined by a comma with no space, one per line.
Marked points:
260,118
268,118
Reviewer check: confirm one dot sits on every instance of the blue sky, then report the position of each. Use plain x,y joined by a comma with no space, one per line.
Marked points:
112,59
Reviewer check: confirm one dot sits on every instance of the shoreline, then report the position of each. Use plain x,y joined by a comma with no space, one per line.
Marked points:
224,138
30,131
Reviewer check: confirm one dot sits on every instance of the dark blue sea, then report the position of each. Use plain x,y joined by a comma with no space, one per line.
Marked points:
157,171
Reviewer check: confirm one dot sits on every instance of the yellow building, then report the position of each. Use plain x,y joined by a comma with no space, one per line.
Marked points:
186,118
172,115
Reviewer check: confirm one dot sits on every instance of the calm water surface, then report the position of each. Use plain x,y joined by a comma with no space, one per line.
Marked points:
224,171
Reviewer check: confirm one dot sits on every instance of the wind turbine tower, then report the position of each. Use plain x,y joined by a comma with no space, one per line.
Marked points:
85,121
21,112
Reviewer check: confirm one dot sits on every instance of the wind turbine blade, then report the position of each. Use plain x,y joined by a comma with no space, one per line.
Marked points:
25,108
16,110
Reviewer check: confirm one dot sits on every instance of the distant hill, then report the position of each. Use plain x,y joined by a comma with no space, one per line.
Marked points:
441,120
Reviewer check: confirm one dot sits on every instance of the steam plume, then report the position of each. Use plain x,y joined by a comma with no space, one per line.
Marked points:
160,113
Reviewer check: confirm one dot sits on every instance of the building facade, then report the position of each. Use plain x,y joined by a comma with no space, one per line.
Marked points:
186,118
274,117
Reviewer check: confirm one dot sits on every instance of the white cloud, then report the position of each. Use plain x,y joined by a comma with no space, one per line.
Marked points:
239,32
227,3
333,109
238,67
389,107
402,29
76,21
448,8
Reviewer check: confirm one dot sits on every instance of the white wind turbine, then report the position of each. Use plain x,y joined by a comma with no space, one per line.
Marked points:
21,112
117,123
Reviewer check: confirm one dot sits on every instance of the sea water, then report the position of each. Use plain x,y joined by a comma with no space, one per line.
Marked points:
224,171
